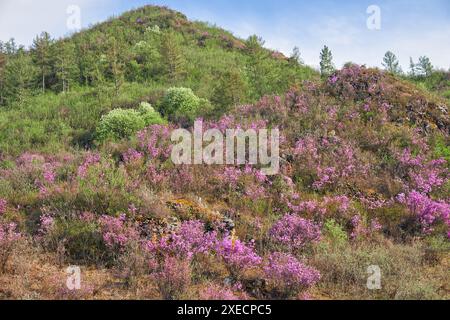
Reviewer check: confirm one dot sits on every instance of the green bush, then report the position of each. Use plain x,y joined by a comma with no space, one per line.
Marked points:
119,124
150,115
182,104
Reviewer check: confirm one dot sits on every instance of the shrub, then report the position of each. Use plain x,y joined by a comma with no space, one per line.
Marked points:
287,276
182,104
8,238
429,213
295,232
119,124
150,115
238,256
2,206
173,278
190,239
117,232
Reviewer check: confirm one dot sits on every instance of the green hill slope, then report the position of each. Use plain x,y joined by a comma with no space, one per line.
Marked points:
124,61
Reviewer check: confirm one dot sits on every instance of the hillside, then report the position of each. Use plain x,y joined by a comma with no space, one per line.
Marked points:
363,180
124,61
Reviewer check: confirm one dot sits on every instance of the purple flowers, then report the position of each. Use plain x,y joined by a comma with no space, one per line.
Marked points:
132,156
288,276
237,255
173,278
3,204
295,232
89,160
190,239
118,232
427,211
47,223
8,238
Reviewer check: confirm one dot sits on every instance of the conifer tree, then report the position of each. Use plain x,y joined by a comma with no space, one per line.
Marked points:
229,90
424,67
172,57
20,72
391,63
326,62
116,64
42,55
65,64
412,67
296,56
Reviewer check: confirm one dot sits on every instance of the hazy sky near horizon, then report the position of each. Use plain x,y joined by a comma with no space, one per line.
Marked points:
409,28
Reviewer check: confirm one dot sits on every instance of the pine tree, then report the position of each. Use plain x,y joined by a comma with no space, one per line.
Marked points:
424,67
65,64
262,75
116,64
229,90
296,56
172,57
412,68
20,72
391,63
42,55
326,62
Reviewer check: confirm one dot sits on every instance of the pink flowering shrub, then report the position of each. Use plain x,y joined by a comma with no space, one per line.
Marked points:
423,176
47,222
8,238
118,232
190,239
173,278
238,256
429,213
3,204
286,276
316,157
294,232
88,161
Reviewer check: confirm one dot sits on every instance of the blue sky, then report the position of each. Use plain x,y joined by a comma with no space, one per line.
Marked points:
408,27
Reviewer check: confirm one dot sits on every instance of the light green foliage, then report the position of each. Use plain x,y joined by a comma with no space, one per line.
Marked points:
119,124
182,104
150,115
391,63
334,232
326,62
123,123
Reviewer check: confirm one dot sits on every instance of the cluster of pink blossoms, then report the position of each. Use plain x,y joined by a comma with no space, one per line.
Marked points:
92,158
118,232
427,211
295,232
3,204
188,240
289,275
8,234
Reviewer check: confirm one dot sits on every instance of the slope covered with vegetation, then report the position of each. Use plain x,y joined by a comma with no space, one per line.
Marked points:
363,179
122,62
